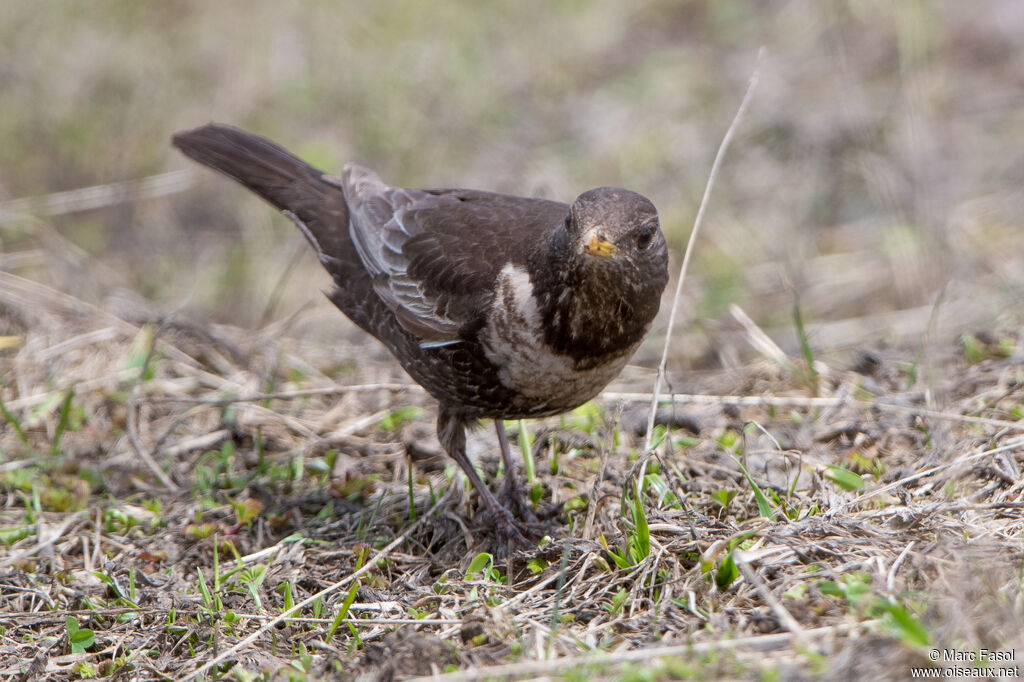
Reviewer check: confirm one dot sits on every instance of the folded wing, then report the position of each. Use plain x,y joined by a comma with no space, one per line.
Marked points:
434,254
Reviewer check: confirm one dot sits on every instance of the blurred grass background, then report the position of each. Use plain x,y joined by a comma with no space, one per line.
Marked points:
878,172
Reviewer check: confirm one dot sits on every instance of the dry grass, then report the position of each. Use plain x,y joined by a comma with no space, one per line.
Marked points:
276,483
835,503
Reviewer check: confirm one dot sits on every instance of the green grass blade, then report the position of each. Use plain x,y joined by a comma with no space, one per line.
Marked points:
13,421
204,590
343,612
526,445
764,507
62,424
844,478
641,529
805,343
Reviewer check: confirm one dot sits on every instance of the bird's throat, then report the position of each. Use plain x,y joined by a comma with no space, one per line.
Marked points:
593,314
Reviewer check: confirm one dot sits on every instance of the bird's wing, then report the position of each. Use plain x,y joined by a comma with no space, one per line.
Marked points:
435,255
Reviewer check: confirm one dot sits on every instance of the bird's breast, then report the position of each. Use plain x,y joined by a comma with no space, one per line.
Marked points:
545,382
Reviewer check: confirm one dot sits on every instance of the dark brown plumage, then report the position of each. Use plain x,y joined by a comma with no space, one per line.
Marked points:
500,306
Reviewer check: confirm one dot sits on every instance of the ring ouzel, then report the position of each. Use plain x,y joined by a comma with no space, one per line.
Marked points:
500,306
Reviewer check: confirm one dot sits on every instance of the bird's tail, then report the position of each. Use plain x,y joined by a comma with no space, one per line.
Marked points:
277,175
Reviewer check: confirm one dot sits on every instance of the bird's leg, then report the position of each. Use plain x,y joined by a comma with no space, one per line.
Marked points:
512,493
451,431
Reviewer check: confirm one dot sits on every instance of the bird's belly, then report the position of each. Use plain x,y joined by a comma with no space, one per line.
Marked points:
541,381
544,383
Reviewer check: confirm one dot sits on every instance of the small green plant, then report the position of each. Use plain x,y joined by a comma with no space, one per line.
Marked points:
727,570
117,521
855,589
287,592
724,497
211,601
727,573
658,436
214,470
685,442
86,670
302,663
904,624
201,531
397,418
638,536
140,356
618,601
657,485
253,577
79,639
976,349
124,597
586,418
730,441
578,503
949,490
862,464
246,511
418,614
844,478
482,568
8,536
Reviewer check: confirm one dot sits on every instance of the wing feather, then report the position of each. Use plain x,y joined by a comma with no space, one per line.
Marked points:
435,255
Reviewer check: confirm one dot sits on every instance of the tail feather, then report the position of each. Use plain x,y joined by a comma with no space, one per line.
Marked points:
286,181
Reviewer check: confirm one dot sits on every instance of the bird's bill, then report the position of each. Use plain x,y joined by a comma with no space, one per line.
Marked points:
594,244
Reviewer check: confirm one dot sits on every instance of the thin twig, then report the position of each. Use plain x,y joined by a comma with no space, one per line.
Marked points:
1013,444
287,395
100,196
785,617
890,578
203,442
715,166
45,540
804,401
298,251
758,339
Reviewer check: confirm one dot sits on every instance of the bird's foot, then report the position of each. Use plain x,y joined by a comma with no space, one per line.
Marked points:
513,498
511,533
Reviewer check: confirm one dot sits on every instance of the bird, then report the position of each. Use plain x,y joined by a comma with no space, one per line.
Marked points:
502,307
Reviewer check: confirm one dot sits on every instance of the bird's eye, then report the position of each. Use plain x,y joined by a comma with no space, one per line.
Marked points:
568,220
645,238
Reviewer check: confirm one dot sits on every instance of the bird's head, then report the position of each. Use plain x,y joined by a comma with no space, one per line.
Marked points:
614,230
610,261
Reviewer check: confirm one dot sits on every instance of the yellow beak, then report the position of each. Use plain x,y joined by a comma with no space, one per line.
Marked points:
597,245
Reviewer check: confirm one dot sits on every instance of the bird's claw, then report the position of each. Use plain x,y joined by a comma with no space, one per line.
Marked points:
514,534
513,498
